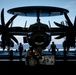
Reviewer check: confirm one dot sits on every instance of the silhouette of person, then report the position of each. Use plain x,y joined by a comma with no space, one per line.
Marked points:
64,48
20,49
53,47
11,54
31,53
37,56
64,45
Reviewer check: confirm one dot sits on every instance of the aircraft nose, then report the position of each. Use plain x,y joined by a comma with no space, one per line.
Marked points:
39,38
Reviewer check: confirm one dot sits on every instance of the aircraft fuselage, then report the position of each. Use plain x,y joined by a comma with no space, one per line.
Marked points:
39,35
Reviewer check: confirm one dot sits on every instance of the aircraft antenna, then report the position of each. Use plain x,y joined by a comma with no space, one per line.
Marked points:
25,23
49,24
38,15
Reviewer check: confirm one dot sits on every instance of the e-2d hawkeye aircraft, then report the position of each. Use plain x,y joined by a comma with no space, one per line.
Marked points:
38,35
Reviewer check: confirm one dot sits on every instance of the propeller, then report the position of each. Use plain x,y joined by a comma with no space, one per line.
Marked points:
69,30
5,29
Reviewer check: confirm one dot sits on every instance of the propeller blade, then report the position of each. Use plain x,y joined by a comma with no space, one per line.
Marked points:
60,25
11,20
60,36
75,22
68,20
12,37
3,41
2,17
11,24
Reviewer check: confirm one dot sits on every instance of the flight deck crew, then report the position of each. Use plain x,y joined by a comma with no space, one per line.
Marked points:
11,54
53,47
65,47
20,49
31,54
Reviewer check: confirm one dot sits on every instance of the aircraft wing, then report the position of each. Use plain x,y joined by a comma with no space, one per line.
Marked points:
24,31
18,31
57,31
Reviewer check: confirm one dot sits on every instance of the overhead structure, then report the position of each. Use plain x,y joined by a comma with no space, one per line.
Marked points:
38,11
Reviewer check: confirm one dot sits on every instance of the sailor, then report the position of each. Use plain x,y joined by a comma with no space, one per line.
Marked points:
53,47
32,54
20,49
